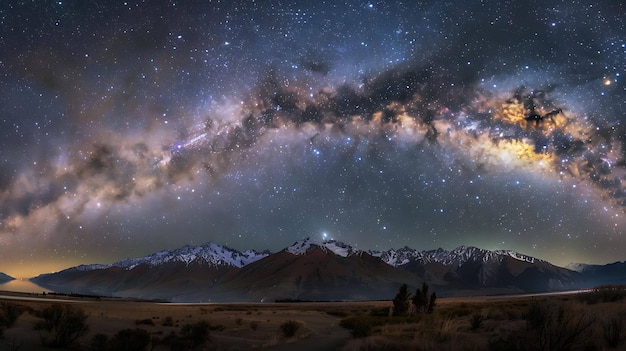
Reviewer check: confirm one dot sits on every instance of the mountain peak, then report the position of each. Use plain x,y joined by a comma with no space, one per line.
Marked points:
211,254
303,246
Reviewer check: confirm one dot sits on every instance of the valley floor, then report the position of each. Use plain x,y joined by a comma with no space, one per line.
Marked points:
477,323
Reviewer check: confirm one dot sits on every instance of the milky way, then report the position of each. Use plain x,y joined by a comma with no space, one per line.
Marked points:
131,128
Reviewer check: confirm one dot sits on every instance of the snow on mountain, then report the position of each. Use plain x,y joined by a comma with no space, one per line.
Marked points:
336,247
208,254
577,267
456,257
216,255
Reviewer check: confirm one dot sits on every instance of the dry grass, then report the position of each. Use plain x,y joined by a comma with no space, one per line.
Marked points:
505,325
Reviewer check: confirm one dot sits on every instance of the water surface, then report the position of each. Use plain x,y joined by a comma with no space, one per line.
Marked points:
24,286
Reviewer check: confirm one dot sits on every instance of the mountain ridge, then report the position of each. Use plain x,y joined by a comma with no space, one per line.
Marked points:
313,270
207,253
5,278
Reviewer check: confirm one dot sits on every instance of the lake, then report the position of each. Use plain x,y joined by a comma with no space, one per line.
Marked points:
24,286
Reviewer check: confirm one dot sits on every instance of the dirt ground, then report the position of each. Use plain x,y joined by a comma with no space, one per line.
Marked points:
233,326
250,326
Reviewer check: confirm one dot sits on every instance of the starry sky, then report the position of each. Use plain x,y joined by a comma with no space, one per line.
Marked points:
129,127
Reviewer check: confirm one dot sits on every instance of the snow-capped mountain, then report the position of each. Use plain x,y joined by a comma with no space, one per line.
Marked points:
468,267
320,270
456,257
612,273
336,247
317,271
162,275
207,254
577,267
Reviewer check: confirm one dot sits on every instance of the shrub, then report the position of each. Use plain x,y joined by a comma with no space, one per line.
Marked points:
604,293
379,312
63,323
556,326
9,313
195,334
476,321
359,327
611,331
401,301
508,343
130,340
99,342
290,328
168,321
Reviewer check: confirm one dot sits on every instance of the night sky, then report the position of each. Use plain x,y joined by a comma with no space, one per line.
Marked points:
131,127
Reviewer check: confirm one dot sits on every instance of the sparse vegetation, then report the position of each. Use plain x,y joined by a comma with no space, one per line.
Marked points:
130,340
61,325
195,334
603,294
401,302
99,342
540,324
404,304
611,330
362,326
337,313
168,321
8,314
556,326
290,328
422,301
476,321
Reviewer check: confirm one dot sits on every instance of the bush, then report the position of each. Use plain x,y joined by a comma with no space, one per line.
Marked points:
290,328
168,321
556,326
604,293
611,331
476,321
360,327
63,323
508,343
130,340
379,312
195,334
9,313
99,342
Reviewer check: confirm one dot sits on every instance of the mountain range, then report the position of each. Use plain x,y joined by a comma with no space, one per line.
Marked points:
321,270
5,278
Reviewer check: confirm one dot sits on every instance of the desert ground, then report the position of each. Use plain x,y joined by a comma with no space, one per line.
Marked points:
578,321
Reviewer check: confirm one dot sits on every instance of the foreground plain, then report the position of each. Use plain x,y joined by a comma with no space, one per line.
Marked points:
565,322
